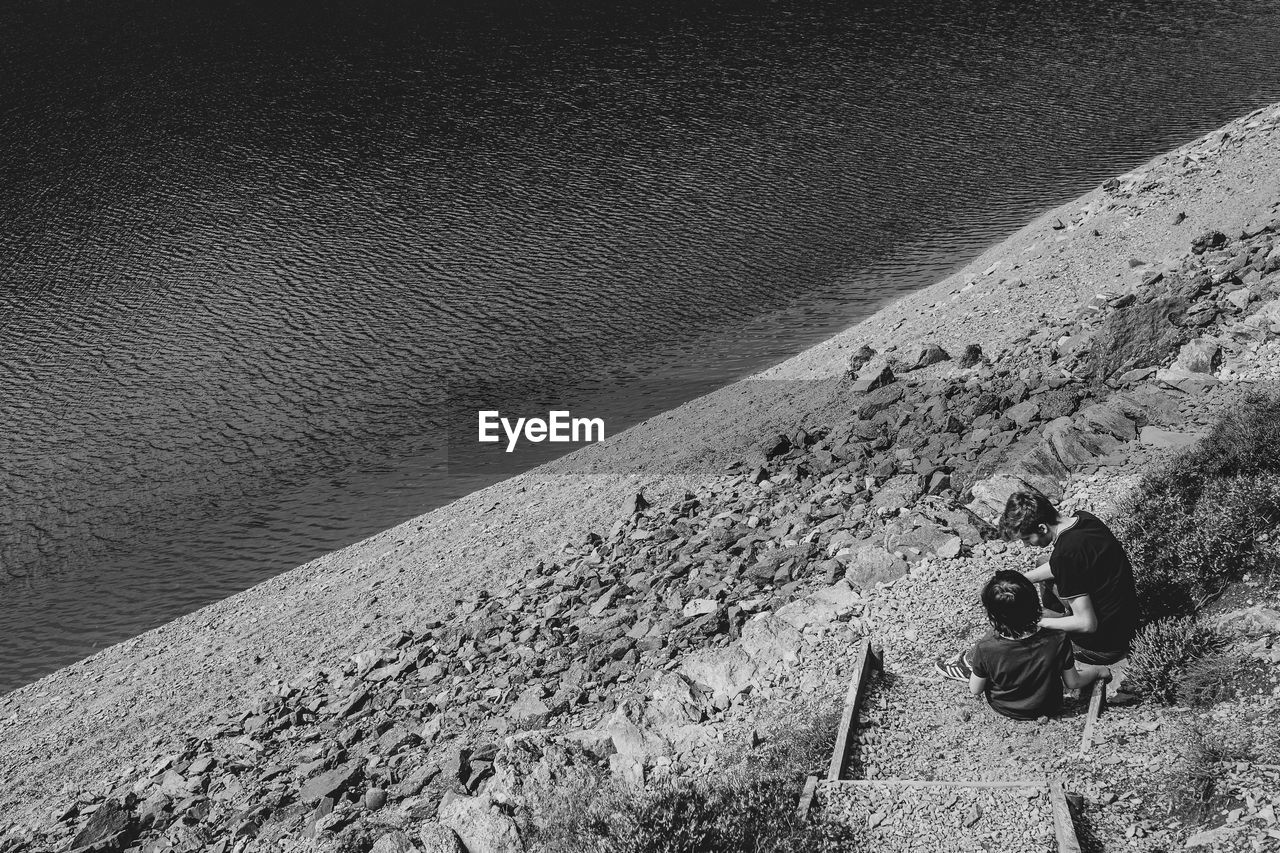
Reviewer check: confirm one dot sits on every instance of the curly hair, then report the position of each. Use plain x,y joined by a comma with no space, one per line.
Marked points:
1011,602
1024,512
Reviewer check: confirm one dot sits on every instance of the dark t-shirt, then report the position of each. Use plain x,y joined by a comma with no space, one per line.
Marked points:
1088,560
1024,677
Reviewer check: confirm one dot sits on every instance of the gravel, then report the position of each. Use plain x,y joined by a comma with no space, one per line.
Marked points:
936,818
911,729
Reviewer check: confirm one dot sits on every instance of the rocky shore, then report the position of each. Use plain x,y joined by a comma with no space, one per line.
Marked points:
640,605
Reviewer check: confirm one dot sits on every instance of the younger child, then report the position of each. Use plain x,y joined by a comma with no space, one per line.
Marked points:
1020,666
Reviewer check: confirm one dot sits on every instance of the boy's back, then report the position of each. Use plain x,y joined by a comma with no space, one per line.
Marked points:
1024,676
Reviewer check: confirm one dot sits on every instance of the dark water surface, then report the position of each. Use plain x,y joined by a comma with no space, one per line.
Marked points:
247,249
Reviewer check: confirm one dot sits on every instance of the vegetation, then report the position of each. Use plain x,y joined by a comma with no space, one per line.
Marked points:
1203,521
750,806
1160,653
1193,527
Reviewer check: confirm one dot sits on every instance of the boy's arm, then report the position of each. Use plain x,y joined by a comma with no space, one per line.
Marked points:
977,685
1081,621
1039,573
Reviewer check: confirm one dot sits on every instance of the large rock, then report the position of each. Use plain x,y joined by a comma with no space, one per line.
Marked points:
783,561
1187,381
990,495
1167,439
329,784
529,710
1138,335
869,564
671,703
725,672
897,492
928,354
771,642
437,838
111,827
393,842
1023,413
631,739
1108,418
1074,446
1147,404
822,607
879,400
876,373
1199,356
480,826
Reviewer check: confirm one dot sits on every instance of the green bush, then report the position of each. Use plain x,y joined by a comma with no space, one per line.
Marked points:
749,807
1192,527
1160,652
1189,784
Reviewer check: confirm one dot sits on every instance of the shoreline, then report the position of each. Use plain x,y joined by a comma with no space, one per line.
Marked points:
77,724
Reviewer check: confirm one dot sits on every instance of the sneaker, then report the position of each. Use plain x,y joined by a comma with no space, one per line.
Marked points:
956,667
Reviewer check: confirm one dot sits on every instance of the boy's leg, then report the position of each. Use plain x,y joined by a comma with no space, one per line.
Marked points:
1117,665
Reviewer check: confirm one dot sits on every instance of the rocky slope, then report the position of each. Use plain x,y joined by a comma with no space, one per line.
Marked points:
641,602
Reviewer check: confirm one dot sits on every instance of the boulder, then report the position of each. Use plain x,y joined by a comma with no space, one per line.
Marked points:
630,738
972,356
898,492
990,495
1167,439
928,354
876,373
329,784
111,827
859,359
1147,404
1208,240
1023,413
671,703
869,564
771,642
1058,402
438,838
1198,356
1240,298
1137,335
1077,447
1107,418
529,710
879,400
480,826
822,607
1187,381
393,842
725,672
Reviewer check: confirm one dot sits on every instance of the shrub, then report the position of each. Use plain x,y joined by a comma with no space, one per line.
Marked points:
1219,677
1193,527
1189,782
1161,650
750,807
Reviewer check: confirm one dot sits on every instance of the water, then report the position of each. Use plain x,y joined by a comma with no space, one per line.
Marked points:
249,252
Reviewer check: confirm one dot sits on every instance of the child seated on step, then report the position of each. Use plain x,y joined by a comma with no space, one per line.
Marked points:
1021,667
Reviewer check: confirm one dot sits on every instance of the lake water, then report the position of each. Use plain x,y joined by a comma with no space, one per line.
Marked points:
250,251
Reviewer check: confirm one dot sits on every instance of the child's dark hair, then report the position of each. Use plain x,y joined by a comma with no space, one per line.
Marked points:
1011,602
1024,512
